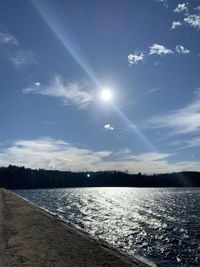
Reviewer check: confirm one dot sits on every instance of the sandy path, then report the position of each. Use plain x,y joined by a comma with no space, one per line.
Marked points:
33,237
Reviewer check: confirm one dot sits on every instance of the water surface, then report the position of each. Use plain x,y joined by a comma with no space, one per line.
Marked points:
162,225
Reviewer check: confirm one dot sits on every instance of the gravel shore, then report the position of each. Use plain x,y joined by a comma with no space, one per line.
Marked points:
30,236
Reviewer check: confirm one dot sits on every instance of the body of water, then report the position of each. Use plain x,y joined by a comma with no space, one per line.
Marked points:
161,225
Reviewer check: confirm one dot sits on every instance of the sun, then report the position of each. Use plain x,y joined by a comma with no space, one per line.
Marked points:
106,95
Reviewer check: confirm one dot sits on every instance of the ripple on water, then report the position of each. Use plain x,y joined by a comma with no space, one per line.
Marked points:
162,225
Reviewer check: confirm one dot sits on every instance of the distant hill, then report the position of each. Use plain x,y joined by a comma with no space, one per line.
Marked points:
14,177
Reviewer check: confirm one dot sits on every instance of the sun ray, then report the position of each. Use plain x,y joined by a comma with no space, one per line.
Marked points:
58,24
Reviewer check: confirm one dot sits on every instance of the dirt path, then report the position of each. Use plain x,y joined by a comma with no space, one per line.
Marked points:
33,237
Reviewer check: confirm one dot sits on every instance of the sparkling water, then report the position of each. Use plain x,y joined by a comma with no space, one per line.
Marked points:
161,225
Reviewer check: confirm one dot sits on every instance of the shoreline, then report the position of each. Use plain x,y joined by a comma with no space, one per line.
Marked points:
2,246
134,259
32,236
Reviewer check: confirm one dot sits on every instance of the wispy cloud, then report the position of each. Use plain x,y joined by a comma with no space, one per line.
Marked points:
164,2
109,127
78,94
135,58
157,49
22,58
197,8
182,50
18,58
193,20
181,8
47,152
152,90
157,63
194,142
6,39
180,121
176,24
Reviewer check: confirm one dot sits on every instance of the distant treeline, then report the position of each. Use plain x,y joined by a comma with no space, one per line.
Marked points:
21,177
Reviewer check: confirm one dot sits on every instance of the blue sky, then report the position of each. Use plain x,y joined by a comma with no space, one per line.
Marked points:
56,57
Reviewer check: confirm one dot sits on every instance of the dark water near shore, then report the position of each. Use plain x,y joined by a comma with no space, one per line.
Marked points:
162,225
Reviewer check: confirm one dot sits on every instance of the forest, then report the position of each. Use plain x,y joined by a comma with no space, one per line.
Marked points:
14,177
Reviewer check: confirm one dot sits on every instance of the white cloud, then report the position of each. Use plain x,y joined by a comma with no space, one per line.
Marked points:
197,8
17,57
37,83
157,49
47,152
72,93
181,121
135,58
176,24
181,8
6,38
164,2
194,142
182,50
193,20
21,58
109,127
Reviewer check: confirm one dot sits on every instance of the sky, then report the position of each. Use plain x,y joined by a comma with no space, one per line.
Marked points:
56,58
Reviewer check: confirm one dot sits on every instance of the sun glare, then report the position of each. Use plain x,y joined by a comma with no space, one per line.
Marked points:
106,95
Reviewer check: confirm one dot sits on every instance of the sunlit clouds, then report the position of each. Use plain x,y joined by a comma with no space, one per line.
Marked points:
164,2
176,24
190,143
182,50
22,58
135,58
157,49
16,56
181,8
190,17
48,152
78,94
109,127
193,20
180,121
197,8
8,39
